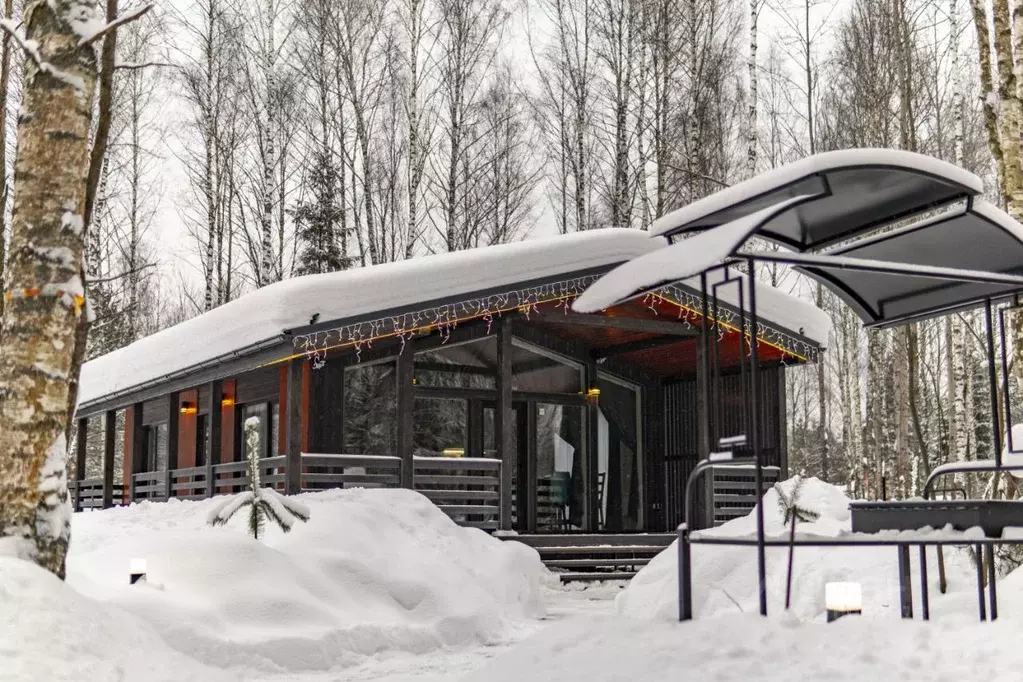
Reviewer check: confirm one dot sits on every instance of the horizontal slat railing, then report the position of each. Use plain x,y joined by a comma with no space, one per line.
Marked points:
322,471
188,483
87,493
149,485
466,489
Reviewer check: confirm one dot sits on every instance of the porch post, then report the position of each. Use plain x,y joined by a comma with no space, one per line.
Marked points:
138,448
293,455
173,421
109,433
504,421
475,427
216,417
528,485
591,450
83,434
404,376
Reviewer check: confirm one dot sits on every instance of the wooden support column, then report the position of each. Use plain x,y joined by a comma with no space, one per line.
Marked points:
504,420
293,452
83,435
474,437
138,448
529,482
591,452
109,432
216,426
405,393
173,422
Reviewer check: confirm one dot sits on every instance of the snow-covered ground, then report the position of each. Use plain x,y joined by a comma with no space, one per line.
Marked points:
380,586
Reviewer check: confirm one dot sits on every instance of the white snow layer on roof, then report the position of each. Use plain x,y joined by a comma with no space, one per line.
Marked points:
819,163
264,314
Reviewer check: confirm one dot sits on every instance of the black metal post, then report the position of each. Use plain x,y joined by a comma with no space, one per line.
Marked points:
792,548
703,372
755,435
905,582
685,576
173,431
979,556
992,590
925,600
993,383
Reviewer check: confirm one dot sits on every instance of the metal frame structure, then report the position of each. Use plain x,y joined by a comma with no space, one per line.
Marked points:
934,284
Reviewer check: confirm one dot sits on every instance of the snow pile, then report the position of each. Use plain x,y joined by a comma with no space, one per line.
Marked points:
725,578
372,571
48,631
744,647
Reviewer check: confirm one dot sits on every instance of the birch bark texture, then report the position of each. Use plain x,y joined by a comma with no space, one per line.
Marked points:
44,293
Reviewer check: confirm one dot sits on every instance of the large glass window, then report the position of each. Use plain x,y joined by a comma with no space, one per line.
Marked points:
156,447
370,409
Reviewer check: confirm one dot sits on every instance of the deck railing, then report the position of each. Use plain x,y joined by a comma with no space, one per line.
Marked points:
466,489
88,493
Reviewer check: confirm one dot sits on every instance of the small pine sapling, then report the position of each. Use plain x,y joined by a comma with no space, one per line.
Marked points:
791,513
789,503
263,503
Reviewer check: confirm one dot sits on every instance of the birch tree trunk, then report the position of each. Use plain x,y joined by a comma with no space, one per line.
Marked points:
751,153
45,295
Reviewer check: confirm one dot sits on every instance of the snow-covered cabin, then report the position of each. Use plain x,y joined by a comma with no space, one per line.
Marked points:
460,374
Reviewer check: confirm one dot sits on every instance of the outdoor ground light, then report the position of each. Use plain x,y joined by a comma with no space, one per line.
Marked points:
137,569
842,599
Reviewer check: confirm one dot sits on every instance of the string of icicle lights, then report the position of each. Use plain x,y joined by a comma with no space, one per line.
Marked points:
557,295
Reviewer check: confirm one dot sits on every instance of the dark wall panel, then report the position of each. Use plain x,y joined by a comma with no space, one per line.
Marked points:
681,413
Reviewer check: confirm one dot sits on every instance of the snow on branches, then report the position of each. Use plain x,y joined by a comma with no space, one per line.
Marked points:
263,503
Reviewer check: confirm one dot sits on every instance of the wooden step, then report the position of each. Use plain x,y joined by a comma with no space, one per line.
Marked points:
620,549
592,577
595,563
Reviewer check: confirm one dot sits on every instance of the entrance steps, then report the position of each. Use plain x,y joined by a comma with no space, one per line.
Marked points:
599,556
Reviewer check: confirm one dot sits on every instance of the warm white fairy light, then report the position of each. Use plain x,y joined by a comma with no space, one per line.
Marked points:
445,318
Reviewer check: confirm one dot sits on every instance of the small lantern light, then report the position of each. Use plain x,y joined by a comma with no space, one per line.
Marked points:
842,599
227,401
189,408
593,395
137,570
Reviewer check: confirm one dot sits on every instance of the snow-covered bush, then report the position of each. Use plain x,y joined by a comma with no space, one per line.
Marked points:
263,503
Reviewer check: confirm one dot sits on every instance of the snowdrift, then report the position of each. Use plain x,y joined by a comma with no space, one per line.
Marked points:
48,631
725,578
744,647
372,571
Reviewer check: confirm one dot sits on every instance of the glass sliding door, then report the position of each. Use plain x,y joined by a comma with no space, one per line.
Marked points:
619,456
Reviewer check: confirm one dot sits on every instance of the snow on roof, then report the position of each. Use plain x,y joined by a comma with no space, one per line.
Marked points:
676,262
820,163
262,316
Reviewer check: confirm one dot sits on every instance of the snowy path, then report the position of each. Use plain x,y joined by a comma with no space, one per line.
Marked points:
567,604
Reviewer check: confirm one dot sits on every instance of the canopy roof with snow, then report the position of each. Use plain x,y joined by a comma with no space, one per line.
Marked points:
357,306
897,235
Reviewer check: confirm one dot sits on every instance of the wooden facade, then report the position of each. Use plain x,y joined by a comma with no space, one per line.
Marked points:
597,413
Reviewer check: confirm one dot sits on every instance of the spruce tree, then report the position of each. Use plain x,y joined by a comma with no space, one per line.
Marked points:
318,221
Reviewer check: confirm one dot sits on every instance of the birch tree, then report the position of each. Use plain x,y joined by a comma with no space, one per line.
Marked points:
44,284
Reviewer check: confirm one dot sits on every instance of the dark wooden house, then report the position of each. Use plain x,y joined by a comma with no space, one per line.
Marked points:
539,419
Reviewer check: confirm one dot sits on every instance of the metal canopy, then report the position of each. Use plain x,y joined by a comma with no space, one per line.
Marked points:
856,190
973,249
888,293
